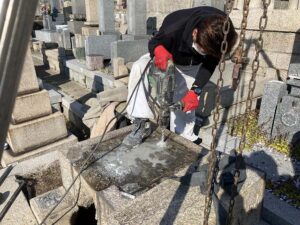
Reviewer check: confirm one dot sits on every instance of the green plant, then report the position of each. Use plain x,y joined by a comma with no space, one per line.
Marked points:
255,135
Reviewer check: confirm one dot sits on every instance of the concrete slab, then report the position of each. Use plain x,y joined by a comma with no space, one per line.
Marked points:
8,158
129,50
100,45
167,203
36,133
277,212
94,80
20,212
31,106
41,205
45,35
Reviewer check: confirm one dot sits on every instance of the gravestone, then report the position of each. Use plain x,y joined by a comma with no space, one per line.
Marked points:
92,17
106,16
100,45
273,93
78,7
287,119
137,17
294,71
129,50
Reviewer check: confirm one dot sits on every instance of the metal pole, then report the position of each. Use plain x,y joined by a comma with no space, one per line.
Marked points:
16,20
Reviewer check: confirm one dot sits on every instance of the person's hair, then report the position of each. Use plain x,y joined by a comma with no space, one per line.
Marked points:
210,35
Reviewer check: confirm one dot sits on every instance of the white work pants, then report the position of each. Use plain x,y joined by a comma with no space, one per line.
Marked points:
180,122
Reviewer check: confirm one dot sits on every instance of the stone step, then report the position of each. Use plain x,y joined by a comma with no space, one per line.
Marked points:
278,212
8,158
31,106
30,135
64,214
20,212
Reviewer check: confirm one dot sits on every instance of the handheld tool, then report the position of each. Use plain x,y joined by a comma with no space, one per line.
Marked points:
163,87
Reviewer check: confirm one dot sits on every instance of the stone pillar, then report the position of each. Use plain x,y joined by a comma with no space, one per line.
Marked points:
106,16
92,17
33,125
137,17
78,7
294,4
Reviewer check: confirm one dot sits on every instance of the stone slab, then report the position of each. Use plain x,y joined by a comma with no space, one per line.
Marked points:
79,40
273,92
294,70
87,31
106,16
180,204
20,212
294,85
129,37
100,45
36,133
41,205
79,53
95,80
28,83
75,26
31,106
78,7
129,50
45,35
167,203
287,119
54,96
278,212
110,201
92,13
137,17
94,62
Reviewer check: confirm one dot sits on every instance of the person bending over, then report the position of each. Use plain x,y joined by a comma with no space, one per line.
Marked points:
192,39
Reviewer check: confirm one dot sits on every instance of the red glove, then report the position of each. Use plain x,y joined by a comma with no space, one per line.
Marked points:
190,101
161,57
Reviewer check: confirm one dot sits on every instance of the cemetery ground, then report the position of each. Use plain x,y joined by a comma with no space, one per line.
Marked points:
285,187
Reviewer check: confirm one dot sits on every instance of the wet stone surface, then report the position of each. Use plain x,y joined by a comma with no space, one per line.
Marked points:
132,169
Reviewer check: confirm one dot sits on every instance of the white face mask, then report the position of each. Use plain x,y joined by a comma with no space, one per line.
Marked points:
198,48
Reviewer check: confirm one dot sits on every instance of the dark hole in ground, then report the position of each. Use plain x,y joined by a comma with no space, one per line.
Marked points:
84,216
41,181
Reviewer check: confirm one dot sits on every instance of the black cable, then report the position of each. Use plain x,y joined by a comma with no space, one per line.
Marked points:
85,164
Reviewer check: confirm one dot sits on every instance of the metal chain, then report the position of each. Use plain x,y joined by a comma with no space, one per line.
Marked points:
255,66
214,158
239,57
252,83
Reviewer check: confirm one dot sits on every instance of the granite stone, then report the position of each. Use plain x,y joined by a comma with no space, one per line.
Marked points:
75,26
273,93
100,45
294,85
287,119
129,50
137,17
106,16
94,62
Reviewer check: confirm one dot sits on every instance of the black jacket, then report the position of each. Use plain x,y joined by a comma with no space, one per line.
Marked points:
175,35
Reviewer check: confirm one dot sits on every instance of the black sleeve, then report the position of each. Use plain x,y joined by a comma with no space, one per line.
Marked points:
205,71
165,36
